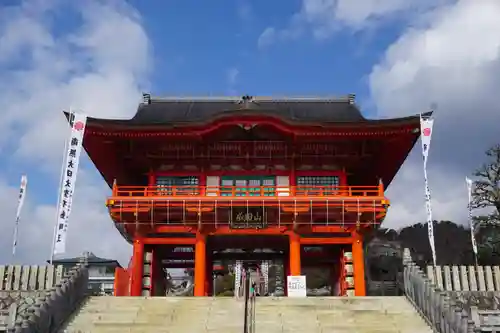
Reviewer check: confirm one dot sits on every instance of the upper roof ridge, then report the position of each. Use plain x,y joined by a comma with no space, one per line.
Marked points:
148,98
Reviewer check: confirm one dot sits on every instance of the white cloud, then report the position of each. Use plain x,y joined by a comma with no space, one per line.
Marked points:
244,10
90,226
325,17
448,56
267,37
92,68
454,62
99,66
232,75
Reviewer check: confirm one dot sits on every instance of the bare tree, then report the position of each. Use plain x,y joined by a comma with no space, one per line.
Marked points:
486,193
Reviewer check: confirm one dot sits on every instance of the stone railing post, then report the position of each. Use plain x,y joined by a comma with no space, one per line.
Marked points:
431,302
49,313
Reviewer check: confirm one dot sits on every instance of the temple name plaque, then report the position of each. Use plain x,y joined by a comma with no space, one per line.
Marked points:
248,218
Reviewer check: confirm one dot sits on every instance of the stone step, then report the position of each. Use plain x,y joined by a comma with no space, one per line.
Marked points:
338,314
158,314
273,315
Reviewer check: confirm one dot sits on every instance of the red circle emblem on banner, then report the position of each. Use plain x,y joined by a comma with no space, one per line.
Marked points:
427,131
78,126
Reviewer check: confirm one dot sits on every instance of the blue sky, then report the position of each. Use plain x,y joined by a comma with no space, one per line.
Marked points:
399,57
210,41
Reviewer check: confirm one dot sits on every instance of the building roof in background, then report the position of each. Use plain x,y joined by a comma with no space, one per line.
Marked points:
92,259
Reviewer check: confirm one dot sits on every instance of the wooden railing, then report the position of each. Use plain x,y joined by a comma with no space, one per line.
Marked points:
303,191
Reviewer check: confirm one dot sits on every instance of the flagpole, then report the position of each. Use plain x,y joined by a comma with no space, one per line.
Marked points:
470,184
61,177
22,195
430,221
425,137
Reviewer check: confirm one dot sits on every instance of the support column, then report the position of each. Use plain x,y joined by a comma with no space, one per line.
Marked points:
294,254
286,272
200,265
209,272
137,268
359,265
333,281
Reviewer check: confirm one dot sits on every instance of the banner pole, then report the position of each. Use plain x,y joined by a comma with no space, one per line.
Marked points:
70,170
426,126
470,184
22,196
61,177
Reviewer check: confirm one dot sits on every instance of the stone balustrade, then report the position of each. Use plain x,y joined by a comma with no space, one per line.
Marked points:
433,303
465,278
455,298
20,286
29,278
40,298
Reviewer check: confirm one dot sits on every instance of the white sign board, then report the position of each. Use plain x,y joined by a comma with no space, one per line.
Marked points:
296,286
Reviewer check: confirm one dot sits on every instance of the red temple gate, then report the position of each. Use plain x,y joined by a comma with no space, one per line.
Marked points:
252,173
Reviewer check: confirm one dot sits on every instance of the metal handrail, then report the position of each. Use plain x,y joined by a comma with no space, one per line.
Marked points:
250,298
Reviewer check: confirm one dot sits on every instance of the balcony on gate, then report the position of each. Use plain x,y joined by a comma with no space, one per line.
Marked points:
295,204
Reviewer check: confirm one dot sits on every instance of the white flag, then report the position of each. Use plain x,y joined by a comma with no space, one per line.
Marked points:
70,170
22,195
426,135
470,185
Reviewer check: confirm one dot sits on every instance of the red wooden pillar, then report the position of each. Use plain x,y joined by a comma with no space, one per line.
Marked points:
200,265
137,268
358,261
151,178
202,181
209,273
295,264
286,271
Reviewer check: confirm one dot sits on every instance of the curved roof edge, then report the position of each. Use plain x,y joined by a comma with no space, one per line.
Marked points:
188,111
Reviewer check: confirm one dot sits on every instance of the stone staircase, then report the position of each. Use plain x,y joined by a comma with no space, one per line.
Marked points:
158,314
225,314
338,314
450,301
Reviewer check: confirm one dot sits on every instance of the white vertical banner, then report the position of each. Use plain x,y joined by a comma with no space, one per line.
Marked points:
22,195
70,170
470,185
426,125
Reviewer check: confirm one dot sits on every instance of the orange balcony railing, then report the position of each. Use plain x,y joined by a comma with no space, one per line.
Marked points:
207,193
295,199
274,204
